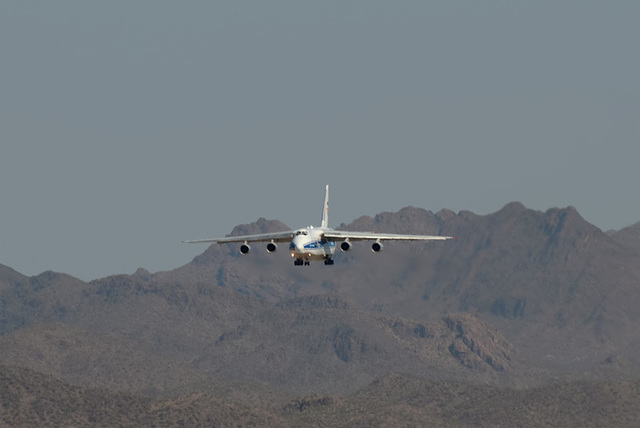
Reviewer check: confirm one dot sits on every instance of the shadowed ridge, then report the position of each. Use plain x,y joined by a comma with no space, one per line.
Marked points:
561,223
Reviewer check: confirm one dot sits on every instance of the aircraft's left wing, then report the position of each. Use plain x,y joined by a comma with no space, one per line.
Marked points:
335,235
274,236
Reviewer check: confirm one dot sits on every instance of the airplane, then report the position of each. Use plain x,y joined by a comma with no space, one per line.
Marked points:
317,243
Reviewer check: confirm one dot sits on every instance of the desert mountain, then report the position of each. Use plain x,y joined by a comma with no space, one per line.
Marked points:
558,287
520,297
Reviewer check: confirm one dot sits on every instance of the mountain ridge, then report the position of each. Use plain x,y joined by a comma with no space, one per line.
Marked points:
520,298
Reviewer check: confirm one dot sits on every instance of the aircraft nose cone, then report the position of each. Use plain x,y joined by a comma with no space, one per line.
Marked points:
296,246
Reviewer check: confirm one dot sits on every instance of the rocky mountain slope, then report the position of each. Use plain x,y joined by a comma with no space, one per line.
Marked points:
521,297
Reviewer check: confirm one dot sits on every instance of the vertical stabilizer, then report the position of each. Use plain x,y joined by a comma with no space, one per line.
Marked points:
325,208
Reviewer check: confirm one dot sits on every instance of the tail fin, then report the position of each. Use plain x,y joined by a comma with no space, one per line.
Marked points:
325,208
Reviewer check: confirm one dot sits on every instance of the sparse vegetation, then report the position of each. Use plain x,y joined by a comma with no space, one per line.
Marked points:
32,399
528,319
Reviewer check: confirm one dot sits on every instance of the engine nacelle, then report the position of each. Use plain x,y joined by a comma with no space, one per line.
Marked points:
271,247
377,246
245,249
345,246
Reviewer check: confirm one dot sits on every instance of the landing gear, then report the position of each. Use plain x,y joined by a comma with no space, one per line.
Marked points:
302,262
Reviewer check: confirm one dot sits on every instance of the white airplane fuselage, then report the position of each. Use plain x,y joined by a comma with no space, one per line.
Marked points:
309,244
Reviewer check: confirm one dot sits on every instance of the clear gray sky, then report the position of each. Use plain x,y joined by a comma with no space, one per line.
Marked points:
127,126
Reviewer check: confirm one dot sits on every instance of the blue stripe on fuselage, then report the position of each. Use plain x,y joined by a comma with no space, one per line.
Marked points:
319,244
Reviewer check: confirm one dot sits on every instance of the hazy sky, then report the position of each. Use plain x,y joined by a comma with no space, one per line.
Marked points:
127,126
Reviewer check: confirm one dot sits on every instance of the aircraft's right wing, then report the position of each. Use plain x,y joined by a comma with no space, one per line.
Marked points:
334,235
273,236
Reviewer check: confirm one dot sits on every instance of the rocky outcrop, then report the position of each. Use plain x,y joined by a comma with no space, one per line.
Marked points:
476,346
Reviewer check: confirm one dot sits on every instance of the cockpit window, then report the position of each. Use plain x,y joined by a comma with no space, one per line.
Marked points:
301,232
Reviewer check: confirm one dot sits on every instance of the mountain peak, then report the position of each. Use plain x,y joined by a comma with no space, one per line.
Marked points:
514,207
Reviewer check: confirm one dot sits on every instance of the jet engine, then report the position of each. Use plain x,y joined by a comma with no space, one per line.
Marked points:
345,246
245,248
377,246
271,247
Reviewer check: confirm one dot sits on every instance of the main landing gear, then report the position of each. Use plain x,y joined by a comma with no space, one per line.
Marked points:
301,262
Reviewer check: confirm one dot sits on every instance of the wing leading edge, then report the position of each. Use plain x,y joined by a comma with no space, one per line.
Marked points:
334,235
285,236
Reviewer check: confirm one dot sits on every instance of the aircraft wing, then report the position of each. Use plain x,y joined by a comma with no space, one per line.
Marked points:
274,236
335,235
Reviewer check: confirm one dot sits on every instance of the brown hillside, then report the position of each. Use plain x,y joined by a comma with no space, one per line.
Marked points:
30,399
519,297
